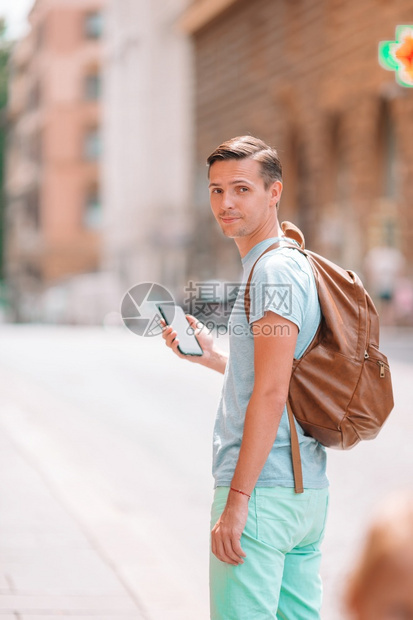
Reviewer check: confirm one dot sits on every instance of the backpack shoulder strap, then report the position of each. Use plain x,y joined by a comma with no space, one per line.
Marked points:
291,232
247,296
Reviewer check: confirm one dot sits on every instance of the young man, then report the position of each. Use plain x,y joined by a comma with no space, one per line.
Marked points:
265,539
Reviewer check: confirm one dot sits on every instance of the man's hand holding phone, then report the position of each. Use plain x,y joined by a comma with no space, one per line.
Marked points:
211,356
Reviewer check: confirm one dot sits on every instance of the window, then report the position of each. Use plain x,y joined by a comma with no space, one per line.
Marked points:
92,86
34,96
40,36
299,175
389,154
92,144
32,205
92,216
33,147
93,25
338,178
388,178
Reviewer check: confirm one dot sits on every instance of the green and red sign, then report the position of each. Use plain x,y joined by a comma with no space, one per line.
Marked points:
398,55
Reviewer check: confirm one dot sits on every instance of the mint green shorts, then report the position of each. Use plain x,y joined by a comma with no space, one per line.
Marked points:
280,575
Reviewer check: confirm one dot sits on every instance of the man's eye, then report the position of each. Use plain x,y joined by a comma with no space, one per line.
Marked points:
243,189
216,190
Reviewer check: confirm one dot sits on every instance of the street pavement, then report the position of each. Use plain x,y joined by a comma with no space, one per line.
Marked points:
105,483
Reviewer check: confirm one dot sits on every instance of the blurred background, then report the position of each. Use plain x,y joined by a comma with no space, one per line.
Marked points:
108,111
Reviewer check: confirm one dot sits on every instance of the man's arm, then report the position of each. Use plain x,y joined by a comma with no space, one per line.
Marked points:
273,359
212,356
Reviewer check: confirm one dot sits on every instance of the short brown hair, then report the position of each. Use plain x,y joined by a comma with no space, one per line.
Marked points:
244,147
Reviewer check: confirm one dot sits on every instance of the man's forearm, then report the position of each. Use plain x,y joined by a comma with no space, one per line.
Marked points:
262,420
215,360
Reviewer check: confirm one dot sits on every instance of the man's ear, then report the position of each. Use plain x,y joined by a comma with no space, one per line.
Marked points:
276,191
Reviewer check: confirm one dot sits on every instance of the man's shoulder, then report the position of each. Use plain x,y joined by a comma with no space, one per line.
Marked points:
283,261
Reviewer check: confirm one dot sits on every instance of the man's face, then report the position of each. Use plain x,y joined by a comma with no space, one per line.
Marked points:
239,200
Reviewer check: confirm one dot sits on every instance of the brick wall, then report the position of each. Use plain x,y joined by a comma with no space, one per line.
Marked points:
304,76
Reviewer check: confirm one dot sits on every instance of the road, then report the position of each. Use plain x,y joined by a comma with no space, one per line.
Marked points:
105,482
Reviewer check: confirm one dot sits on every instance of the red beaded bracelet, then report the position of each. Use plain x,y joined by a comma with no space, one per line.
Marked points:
242,492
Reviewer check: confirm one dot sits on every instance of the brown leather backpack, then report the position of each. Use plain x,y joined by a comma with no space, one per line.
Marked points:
340,389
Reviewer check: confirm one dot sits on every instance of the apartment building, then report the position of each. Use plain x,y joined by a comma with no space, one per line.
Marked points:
53,181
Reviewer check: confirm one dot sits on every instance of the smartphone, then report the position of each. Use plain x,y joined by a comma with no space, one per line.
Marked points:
175,316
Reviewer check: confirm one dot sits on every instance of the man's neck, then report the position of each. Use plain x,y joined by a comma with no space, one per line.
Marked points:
245,244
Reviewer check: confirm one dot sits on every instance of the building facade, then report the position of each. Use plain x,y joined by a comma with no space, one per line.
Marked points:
53,187
304,76
148,140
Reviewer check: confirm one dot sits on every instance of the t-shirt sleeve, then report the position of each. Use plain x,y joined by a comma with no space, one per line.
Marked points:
279,285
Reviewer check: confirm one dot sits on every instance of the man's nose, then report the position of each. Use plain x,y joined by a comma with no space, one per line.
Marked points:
227,201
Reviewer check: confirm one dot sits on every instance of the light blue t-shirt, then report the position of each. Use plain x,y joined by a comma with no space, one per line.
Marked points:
282,282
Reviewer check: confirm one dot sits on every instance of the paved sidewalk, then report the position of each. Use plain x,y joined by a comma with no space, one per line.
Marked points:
92,426
73,580
92,488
